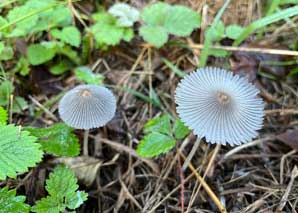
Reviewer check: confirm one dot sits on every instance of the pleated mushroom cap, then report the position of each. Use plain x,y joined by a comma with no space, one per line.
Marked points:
87,107
222,107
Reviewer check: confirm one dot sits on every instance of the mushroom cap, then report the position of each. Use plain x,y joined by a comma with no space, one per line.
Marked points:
87,106
222,107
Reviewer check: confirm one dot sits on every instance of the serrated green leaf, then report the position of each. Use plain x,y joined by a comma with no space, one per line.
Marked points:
154,144
126,15
70,35
156,36
40,53
9,202
58,139
160,124
86,75
181,20
62,188
234,31
3,115
180,130
18,151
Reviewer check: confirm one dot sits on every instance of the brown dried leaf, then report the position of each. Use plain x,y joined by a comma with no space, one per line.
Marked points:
84,167
290,138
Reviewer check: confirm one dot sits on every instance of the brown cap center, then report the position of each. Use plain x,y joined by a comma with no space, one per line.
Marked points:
85,93
223,98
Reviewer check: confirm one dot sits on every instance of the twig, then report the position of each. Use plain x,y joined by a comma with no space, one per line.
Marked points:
282,162
191,154
205,186
43,108
182,183
281,111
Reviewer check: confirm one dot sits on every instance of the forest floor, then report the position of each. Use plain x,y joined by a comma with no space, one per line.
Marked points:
259,176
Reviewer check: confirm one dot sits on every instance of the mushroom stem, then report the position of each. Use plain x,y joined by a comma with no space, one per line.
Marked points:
85,146
191,154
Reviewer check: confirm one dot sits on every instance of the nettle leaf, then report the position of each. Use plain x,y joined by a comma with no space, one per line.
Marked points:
58,139
181,20
155,35
126,15
154,144
40,53
160,124
9,202
180,130
3,115
86,75
70,35
234,31
162,19
62,188
18,151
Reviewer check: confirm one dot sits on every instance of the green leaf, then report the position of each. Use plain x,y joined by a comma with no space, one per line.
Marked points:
62,188
6,89
234,31
70,35
9,202
126,15
106,31
57,139
40,53
181,20
23,66
6,52
60,68
160,124
180,130
155,14
156,36
18,151
86,75
3,115
19,104
217,32
154,144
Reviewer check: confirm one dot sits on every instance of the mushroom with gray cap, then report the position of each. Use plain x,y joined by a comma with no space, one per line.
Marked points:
87,107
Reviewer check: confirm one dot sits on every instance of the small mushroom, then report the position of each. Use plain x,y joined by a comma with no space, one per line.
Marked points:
86,107
222,107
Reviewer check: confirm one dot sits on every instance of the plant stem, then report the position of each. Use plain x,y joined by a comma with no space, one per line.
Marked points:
85,148
191,154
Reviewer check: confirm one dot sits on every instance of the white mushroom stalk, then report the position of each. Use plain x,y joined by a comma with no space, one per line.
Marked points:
86,107
222,107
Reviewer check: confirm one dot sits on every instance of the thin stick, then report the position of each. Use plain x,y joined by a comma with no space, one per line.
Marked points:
209,191
86,135
191,154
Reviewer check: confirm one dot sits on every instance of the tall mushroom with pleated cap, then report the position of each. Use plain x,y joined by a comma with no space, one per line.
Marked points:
87,107
222,107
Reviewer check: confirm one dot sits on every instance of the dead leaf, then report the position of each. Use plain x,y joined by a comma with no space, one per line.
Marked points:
290,138
84,167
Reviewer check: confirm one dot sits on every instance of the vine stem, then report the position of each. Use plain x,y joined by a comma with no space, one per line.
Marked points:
85,145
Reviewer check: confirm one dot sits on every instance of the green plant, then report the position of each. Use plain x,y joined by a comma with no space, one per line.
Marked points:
161,19
18,151
161,136
63,193
9,202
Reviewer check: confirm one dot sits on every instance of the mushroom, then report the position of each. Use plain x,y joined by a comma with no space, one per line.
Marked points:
86,107
222,107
